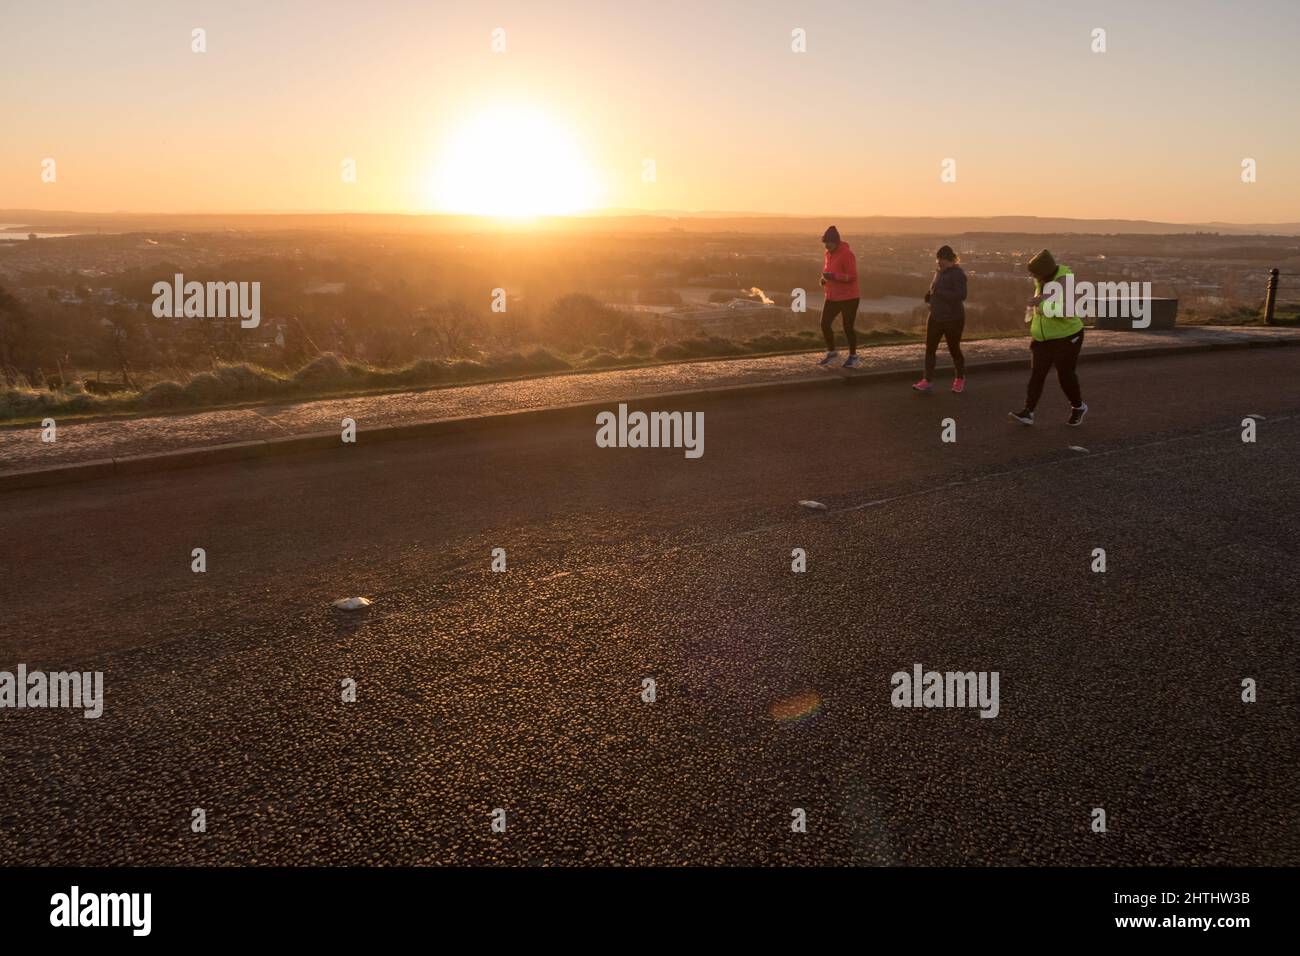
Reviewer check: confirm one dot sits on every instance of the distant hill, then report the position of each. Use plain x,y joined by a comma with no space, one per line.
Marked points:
937,226
623,221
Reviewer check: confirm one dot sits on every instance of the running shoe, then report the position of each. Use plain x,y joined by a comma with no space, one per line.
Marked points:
1076,414
852,361
923,385
959,384
828,359
1024,416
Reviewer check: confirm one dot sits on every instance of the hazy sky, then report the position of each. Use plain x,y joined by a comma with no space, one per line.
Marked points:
1156,127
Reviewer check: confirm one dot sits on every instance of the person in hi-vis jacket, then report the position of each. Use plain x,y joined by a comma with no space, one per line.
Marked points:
1057,339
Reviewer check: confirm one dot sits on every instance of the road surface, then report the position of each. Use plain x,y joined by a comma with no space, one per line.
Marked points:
522,690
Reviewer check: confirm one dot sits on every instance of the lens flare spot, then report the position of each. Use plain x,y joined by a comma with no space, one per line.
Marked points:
801,705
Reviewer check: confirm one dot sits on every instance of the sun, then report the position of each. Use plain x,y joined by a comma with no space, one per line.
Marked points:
512,161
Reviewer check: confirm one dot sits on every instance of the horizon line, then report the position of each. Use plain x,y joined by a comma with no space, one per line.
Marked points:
624,212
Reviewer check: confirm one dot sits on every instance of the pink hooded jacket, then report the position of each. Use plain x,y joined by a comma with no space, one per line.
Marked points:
843,266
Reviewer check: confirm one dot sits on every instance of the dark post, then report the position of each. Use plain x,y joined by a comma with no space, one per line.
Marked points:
1270,300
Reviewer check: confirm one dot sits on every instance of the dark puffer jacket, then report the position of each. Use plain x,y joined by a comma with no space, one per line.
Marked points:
947,293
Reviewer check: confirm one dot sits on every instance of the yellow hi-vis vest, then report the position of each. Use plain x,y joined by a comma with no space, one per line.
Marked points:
1050,319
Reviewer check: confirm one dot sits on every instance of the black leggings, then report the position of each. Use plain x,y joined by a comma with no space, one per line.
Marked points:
934,331
1064,354
847,308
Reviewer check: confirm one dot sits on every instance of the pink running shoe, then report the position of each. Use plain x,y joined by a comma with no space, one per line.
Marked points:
959,385
923,385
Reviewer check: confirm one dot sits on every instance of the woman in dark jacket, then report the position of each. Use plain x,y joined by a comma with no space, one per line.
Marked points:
947,318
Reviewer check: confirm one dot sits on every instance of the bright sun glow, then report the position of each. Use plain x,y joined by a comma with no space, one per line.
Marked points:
513,161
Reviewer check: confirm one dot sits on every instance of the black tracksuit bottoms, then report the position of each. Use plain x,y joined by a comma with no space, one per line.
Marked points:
1064,354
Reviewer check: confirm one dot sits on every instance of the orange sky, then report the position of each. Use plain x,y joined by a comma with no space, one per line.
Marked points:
584,94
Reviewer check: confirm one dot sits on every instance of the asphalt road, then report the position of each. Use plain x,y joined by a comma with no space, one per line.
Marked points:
480,690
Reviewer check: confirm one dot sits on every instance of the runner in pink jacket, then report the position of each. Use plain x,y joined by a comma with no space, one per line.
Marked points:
840,280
